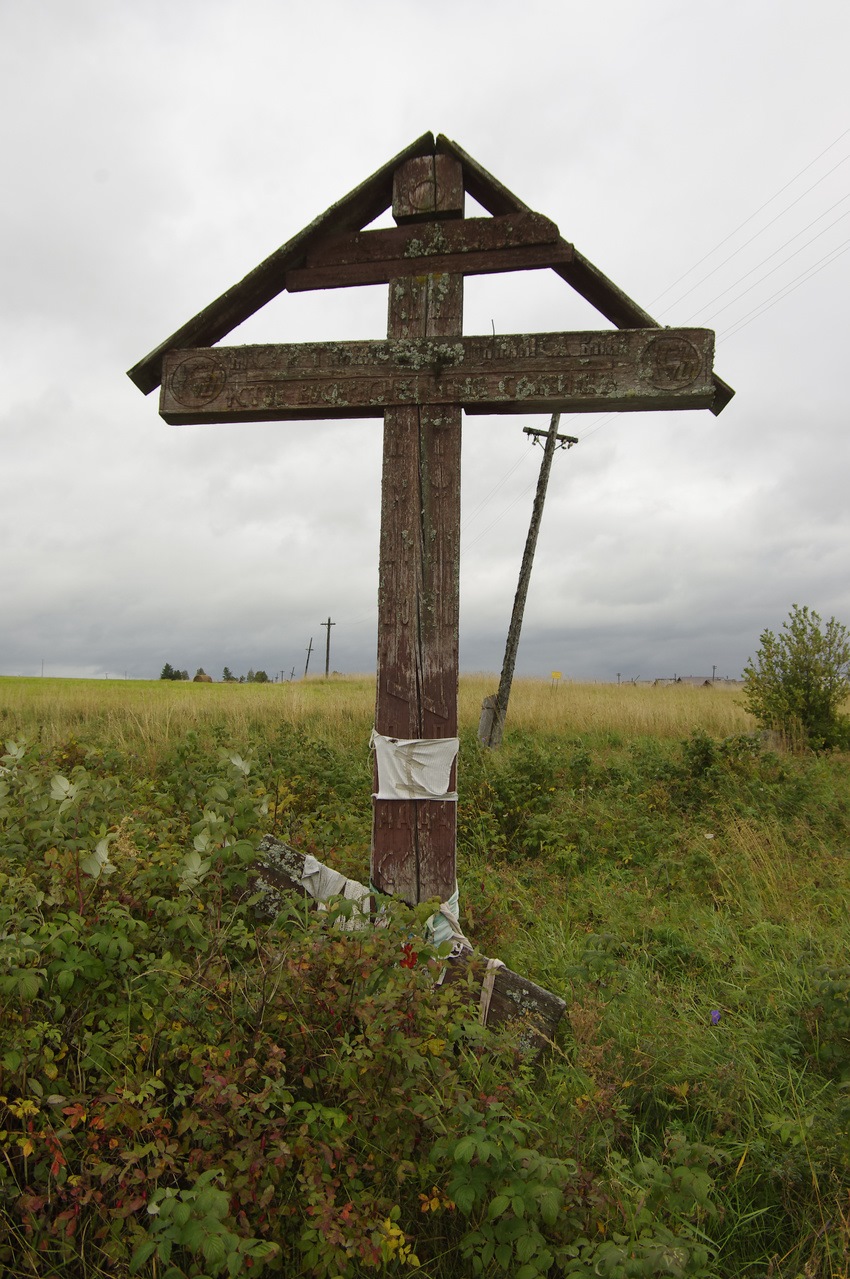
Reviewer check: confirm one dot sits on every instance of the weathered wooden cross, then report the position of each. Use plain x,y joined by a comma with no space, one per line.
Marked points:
419,380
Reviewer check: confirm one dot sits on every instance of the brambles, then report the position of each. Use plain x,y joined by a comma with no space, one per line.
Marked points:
187,1090
800,678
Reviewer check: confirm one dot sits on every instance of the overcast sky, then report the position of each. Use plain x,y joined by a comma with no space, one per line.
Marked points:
155,152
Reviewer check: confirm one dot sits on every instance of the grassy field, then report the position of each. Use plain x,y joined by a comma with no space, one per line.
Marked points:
308,1101
157,711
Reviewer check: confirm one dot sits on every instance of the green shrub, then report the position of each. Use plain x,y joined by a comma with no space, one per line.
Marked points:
800,678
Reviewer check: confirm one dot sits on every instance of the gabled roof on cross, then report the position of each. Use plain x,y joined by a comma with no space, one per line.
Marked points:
354,212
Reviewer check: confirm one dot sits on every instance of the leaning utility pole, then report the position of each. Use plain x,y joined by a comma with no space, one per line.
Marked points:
328,624
495,709
309,651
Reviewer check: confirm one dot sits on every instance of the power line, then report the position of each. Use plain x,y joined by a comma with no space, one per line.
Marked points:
766,276
746,243
824,262
500,516
717,296
493,491
746,220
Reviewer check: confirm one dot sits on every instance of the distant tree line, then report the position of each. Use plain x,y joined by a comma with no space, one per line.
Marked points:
253,677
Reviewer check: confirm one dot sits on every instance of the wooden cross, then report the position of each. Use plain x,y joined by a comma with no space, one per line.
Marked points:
419,380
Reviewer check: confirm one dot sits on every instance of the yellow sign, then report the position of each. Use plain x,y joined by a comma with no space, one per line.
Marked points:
556,675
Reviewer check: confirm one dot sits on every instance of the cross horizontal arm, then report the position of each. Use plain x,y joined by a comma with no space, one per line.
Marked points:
470,246
623,370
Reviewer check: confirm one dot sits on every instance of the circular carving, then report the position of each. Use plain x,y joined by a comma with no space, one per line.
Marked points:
671,363
197,381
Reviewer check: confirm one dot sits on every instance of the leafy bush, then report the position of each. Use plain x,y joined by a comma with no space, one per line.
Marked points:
800,678
186,1092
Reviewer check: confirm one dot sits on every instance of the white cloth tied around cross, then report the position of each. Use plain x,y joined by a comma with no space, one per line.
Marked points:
445,926
322,882
407,769
414,768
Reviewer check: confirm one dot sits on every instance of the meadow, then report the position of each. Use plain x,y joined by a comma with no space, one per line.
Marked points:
189,1090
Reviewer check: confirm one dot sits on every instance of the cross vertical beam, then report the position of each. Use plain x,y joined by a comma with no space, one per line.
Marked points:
414,841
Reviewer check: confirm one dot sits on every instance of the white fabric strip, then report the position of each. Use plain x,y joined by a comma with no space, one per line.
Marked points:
415,768
322,881
445,925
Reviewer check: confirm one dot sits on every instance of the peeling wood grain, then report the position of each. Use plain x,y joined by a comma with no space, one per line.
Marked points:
414,842
470,246
625,370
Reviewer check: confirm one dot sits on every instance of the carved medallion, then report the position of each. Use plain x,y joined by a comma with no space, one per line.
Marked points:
671,363
197,381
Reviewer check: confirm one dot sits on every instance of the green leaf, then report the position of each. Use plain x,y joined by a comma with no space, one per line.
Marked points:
464,1197
181,1213
549,1200
29,984
465,1149
526,1246
214,1249
141,1255
61,788
500,1204
98,862
65,980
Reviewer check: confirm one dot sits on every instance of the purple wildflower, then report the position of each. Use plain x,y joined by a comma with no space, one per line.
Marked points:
715,1016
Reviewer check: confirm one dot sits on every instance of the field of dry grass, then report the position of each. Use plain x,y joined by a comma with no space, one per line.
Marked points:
141,713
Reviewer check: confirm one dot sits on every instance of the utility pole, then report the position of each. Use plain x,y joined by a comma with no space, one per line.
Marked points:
291,675
328,624
495,709
309,651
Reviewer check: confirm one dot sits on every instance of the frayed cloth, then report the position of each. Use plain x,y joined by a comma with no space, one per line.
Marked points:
414,768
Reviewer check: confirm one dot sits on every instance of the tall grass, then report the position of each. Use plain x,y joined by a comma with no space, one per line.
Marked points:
142,714
627,710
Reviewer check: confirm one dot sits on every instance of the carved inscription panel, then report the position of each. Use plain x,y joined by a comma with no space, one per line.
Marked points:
626,369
